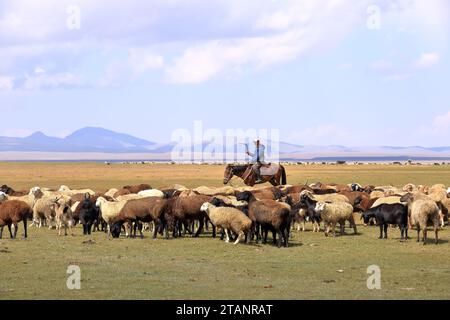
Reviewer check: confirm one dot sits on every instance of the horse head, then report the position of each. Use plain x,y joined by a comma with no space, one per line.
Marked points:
228,175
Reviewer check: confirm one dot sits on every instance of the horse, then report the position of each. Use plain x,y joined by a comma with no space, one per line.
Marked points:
275,174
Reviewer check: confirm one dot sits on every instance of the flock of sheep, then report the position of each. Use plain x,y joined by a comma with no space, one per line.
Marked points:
238,213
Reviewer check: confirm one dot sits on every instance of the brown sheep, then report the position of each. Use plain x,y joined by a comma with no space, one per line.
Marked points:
145,210
132,189
269,215
186,210
11,192
355,195
11,213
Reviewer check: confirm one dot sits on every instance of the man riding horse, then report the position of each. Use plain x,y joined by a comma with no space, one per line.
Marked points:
257,159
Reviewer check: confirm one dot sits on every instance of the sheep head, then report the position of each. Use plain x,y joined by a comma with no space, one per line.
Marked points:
409,197
3,196
64,188
320,207
36,192
205,207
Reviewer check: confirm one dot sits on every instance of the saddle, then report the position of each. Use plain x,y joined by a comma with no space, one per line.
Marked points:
268,169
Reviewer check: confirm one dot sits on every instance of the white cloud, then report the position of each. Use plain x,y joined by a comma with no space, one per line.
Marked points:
231,57
211,39
44,81
300,28
142,60
442,122
6,83
393,72
427,60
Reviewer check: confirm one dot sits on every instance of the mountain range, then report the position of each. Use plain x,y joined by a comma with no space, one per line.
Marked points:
99,140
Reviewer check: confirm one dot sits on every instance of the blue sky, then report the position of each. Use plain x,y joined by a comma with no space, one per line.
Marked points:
322,72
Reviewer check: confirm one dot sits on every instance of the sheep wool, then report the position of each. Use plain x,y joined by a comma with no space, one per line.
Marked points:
336,213
228,218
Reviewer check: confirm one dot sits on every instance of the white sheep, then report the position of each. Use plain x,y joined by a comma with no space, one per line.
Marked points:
207,191
64,217
386,200
151,193
424,212
31,198
232,201
128,197
230,219
333,197
334,213
66,190
110,210
44,211
111,192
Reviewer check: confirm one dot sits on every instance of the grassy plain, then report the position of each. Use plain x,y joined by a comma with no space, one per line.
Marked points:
314,267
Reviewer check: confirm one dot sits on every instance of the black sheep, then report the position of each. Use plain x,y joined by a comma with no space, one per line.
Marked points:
386,214
89,214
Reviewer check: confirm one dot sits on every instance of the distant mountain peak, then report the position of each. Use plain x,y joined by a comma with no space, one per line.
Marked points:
37,134
92,130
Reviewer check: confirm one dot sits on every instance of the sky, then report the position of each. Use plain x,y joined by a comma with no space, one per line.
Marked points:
322,72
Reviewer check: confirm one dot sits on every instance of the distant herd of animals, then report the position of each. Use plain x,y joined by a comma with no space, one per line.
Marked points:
235,214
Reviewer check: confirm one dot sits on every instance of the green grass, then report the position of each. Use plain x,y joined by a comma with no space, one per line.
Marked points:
207,268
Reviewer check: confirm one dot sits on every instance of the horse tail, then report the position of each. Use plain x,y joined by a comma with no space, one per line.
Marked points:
283,176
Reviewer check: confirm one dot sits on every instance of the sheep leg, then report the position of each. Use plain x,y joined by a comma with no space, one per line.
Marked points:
16,228
425,234
385,231
140,230
286,238
342,228
10,233
155,233
135,227
200,229
266,233
418,234
248,237
240,237
436,233
334,229
274,236
1,231
280,238
25,227
214,231
228,236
